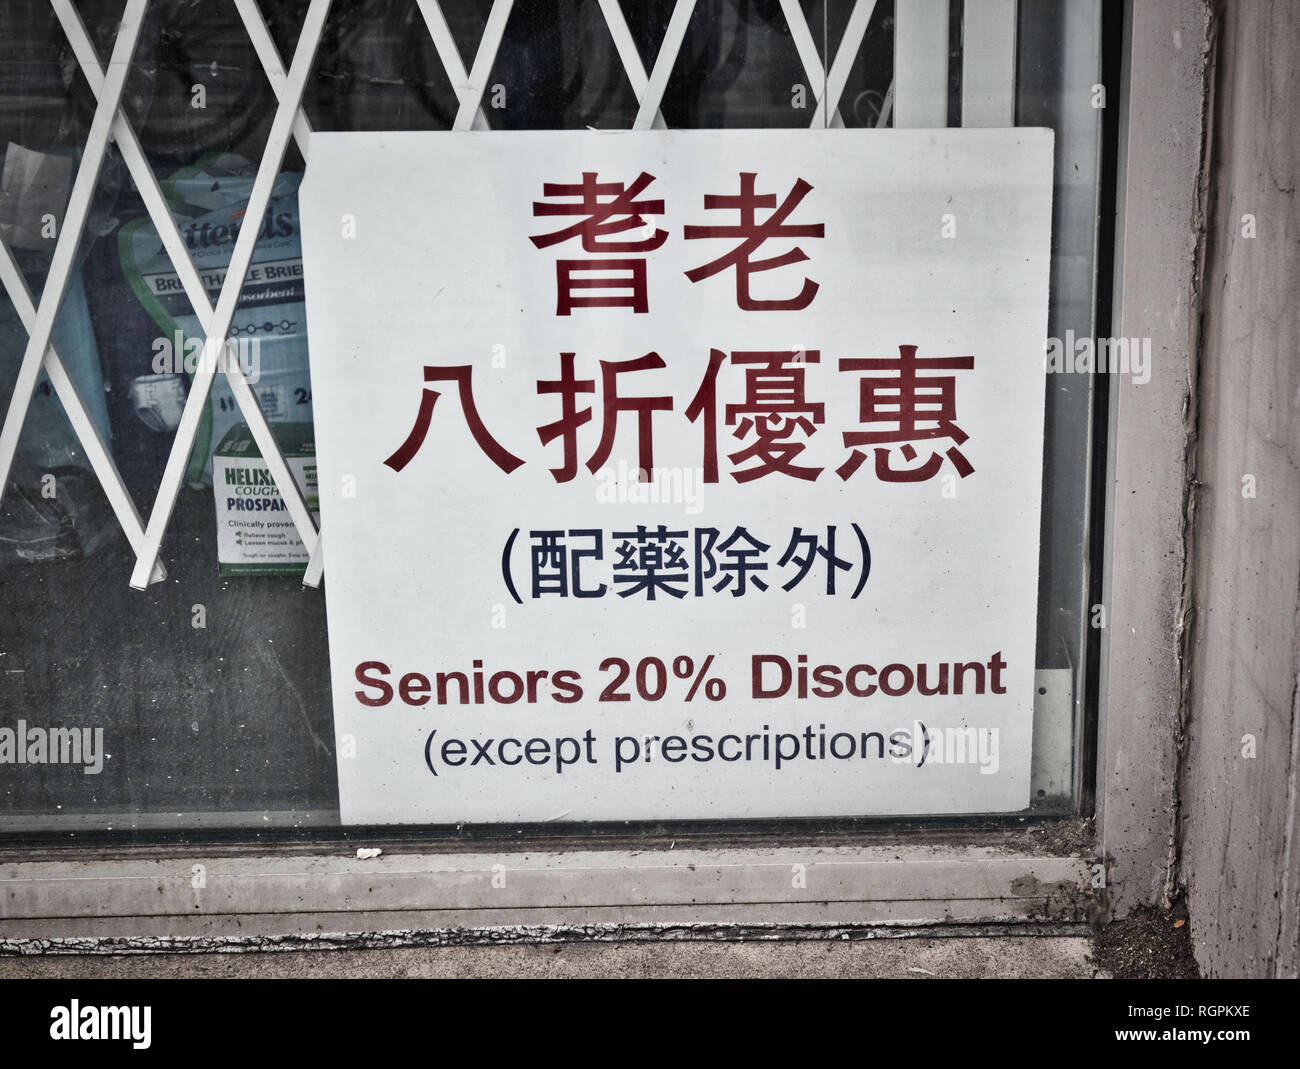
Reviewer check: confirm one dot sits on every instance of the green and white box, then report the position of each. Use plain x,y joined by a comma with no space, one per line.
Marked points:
255,533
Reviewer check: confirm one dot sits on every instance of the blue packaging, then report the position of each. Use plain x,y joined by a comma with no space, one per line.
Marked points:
151,340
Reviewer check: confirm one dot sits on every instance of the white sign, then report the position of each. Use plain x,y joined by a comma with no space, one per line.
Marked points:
824,353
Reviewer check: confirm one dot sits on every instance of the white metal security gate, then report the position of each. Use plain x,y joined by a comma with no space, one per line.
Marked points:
918,98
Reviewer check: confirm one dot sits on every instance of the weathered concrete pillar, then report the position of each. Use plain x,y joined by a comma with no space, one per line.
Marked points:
1240,823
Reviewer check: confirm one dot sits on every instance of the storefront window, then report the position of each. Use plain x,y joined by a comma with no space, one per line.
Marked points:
203,703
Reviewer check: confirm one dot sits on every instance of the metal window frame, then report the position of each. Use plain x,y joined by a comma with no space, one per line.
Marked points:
844,884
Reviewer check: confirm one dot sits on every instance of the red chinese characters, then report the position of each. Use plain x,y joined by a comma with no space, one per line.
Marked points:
606,208
461,375
774,409
770,400
773,421
752,235
903,400
567,386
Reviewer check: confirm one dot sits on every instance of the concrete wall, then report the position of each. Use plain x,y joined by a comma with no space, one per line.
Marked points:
1240,832
1158,250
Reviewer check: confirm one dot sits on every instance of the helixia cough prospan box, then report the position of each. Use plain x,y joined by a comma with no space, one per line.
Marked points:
255,533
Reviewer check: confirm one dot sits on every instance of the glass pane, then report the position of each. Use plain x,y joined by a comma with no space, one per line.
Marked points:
204,701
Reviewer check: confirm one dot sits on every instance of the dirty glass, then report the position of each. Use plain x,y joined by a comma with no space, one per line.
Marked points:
203,702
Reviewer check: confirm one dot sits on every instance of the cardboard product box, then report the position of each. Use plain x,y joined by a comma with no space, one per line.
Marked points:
255,533
151,339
